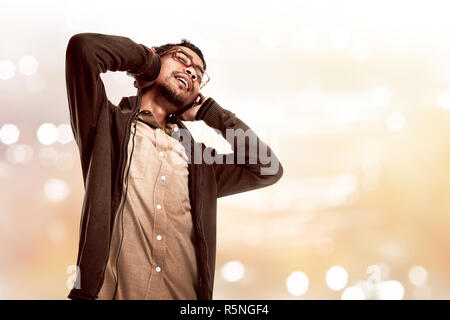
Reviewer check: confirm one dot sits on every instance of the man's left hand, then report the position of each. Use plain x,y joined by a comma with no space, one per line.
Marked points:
189,114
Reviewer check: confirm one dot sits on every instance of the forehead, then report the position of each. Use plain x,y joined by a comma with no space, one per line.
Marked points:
192,53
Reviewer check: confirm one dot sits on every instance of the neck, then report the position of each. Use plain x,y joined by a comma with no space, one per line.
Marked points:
157,104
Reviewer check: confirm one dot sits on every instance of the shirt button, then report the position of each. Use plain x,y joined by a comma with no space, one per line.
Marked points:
163,178
158,130
158,269
161,153
158,206
159,237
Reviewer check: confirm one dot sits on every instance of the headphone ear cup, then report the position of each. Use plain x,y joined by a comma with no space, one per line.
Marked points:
196,101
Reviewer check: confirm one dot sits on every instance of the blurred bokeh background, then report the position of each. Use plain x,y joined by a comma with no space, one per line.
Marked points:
353,97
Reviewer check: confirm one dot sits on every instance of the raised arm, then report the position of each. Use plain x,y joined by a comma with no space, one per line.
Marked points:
252,164
88,55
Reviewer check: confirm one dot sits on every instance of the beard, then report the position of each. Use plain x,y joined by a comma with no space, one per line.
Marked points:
171,93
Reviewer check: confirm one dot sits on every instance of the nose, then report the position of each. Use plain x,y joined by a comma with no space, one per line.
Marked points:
192,73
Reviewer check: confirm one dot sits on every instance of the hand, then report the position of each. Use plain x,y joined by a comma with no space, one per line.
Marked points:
189,114
139,82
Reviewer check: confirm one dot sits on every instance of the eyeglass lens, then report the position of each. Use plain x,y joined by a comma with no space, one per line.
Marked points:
187,62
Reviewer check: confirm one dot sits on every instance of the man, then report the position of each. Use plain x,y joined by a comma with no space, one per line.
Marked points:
148,225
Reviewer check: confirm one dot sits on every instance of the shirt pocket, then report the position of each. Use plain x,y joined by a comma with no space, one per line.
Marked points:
140,159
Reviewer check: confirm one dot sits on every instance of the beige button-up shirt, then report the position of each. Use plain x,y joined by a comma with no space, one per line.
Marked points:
155,230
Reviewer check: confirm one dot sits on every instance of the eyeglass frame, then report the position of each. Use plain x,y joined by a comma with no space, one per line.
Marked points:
174,51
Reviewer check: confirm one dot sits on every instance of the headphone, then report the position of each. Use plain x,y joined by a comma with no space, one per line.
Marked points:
192,104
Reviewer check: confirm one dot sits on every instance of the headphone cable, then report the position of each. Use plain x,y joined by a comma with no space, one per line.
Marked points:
123,207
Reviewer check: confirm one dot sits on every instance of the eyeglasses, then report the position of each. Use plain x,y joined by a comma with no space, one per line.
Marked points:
187,60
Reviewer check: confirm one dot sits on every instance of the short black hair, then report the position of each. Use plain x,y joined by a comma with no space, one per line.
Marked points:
184,43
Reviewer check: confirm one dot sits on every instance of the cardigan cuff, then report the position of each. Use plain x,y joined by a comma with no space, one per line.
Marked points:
209,112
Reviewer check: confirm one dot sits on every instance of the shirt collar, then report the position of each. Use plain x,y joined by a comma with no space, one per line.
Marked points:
147,117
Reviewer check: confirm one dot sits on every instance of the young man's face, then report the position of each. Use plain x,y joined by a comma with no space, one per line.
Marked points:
174,76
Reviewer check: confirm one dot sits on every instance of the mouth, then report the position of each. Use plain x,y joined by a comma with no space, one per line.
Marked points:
185,81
